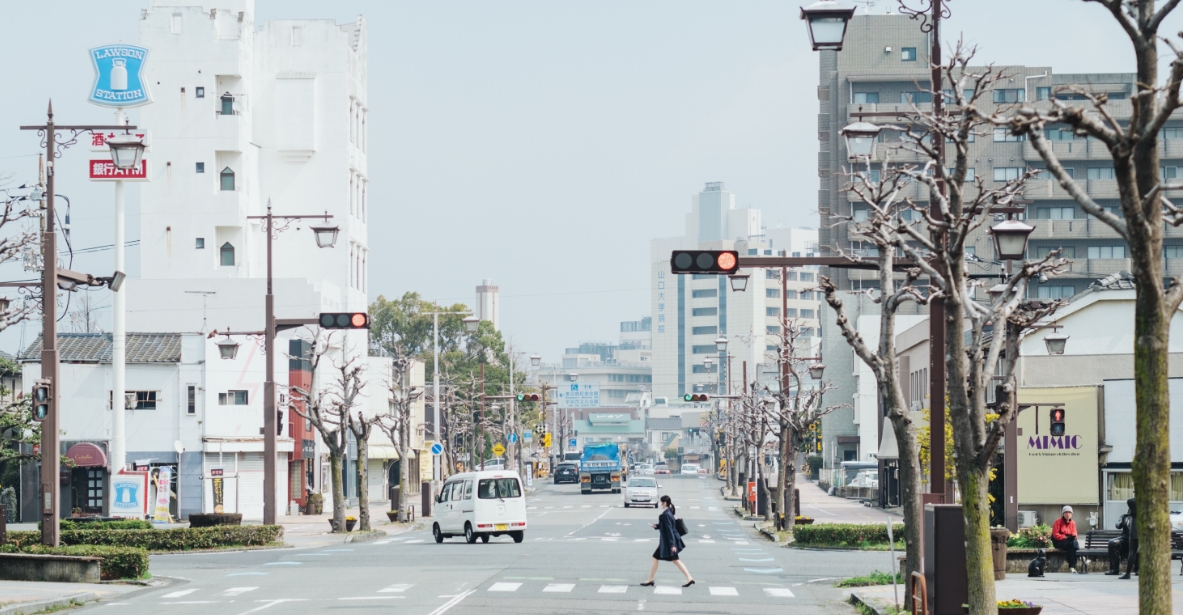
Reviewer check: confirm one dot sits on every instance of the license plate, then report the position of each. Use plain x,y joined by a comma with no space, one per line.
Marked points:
501,527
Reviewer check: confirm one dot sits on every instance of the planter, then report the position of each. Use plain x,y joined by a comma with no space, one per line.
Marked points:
393,516
350,523
1024,610
803,521
215,519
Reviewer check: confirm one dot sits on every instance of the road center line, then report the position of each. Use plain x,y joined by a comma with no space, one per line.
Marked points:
451,603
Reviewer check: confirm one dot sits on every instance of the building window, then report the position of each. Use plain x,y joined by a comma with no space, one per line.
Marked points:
1055,292
703,330
1003,174
909,54
1043,92
862,98
1100,173
191,399
773,311
199,167
1004,135
228,104
706,276
791,293
226,255
771,293
773,329
948,95
1063,133
705,349
703,311
806,313
297,36
199,92
700,369
806,276
175,23
1039,251
227,179
915,97
1046,174
1008,95
1170,132
145,400
232,398
1106,252
1170,172
199,243
1172,251
703,293
1056,213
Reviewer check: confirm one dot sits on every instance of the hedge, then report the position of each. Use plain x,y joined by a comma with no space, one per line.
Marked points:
123,524
118,562
845,534
177,539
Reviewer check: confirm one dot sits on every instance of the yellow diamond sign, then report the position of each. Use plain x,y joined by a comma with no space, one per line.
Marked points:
499,449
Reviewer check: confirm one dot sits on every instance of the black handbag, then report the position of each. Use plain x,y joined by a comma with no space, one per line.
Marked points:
680,527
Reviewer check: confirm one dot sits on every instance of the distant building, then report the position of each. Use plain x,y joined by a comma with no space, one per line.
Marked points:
486,307
621,371
691,311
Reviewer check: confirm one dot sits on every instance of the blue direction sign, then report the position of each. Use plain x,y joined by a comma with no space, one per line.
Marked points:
526,436
119,76
437,448
572,443
513,438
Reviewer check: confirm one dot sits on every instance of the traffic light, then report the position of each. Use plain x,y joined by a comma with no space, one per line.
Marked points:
695,397
1057,422
42,396
720,262
527,397
546,440
344,320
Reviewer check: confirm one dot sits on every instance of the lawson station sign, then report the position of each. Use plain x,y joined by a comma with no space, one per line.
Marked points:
119,76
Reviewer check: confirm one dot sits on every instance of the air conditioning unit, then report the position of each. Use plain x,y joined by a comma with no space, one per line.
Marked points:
1026,518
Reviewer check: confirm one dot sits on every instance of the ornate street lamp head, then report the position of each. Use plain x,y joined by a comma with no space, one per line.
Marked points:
228,349
860,139
739,282
326,236
1012,239
126,151
471,323
827,23
816,371
535,360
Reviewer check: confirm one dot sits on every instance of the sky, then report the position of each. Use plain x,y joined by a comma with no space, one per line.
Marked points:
538,144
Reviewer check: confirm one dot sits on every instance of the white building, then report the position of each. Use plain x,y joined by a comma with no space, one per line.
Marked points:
487,302
244,114
691,311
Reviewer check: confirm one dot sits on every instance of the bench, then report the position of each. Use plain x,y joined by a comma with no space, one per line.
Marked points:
1095,544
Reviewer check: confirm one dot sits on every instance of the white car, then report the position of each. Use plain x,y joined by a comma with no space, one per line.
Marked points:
494,464
641,491
478,505
689,468
645,469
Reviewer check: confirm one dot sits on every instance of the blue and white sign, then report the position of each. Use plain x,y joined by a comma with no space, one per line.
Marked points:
119,76
571,442
437,448
577,395
526,436
513,438
131,495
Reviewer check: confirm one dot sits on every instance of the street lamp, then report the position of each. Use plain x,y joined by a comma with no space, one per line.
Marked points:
126,151
827,23
739,282
1055,343
722,343
572,376
1012,239
4,303
860,139
997,291
708,363
471,323
535,359
816,371
326,236
228,349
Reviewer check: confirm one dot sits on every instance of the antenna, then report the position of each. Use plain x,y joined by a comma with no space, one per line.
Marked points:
205,294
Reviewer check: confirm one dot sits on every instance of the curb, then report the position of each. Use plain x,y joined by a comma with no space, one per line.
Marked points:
367,537
877,609
770,535
53,603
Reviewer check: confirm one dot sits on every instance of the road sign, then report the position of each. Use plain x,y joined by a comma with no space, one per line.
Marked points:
513,438
527,436
499,449
437,448
119,76
572,443
576,395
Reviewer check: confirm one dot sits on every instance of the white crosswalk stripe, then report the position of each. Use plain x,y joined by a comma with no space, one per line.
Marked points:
505,587
723,591
668,590
235,591
398,588
178,594
612,589
779,592
562,588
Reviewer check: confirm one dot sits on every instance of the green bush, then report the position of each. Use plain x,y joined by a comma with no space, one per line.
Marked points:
845,534
177,539
123,524
118,562
875,577
815,463
1036,537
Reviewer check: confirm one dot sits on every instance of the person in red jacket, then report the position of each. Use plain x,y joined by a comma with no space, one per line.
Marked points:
1065,536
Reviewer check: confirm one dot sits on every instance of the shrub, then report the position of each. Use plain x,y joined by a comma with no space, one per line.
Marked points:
177,539
215,519
815,463
875,577
118,562
122,524
1036,537
845,534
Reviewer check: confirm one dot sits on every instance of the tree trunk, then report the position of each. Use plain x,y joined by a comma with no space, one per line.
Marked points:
786,515
363,486
981,576
1150,468
791,479
339,497
404,483
911,498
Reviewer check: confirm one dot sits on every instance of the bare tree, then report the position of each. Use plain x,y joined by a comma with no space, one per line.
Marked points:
399,424
329,409
361,427
84,317
1147,209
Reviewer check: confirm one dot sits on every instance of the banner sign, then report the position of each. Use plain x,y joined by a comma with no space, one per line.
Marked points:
119,76
131,495
164,477
216,485
105,170
576,395
1058,469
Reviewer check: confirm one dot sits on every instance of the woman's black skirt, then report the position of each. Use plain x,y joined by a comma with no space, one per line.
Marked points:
666,557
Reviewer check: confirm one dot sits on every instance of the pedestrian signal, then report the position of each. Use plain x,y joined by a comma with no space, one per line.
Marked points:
719,262
695,397
530,397
344,320
41,400
1057,422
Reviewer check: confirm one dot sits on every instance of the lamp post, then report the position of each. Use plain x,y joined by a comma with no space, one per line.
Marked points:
471,327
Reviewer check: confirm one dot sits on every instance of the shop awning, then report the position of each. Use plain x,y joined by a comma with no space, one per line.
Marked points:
383,450
87,455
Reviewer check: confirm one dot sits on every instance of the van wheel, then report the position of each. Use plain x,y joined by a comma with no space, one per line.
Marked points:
470,537
485,538
656,505
517,536
436,533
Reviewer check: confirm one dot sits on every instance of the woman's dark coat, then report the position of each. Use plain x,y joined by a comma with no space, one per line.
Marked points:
667,536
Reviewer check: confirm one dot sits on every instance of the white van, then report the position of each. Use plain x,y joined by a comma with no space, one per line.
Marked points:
479,505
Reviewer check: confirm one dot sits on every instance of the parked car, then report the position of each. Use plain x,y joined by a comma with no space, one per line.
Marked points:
702,471
566,472
641,491
689,468
662,469
494,464
478,505
645,469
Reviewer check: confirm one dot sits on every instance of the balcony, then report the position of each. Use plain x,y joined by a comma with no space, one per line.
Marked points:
1170,149
1044,189
1078,228
885,112
1172,267
1100,267
1082,149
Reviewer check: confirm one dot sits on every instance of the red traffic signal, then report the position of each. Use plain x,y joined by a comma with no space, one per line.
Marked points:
344,320
720,262
1057,422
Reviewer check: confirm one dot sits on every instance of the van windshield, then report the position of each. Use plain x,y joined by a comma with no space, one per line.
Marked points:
493,488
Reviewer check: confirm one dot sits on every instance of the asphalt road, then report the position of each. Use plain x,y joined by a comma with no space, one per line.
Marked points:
582,554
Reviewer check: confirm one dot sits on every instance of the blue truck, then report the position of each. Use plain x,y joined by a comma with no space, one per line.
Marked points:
600,468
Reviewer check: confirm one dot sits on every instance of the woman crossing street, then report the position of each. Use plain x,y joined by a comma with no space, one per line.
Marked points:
669,543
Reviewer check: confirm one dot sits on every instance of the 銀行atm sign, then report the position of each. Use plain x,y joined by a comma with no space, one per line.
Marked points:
105,170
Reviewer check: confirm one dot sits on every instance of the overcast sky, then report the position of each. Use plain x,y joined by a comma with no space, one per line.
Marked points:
540,144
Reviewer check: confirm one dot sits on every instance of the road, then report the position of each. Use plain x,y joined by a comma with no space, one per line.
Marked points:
582,554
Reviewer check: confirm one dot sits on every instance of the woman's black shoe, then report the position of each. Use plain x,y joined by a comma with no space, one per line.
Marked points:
648,584
689,583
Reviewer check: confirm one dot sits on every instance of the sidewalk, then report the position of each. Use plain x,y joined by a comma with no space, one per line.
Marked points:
314,530
1059,594
31,597
824,508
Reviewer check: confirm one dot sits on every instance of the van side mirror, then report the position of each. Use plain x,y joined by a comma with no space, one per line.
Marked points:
438,498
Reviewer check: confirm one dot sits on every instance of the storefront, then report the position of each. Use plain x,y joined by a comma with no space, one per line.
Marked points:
87,479
1119,447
